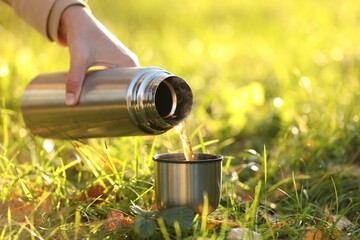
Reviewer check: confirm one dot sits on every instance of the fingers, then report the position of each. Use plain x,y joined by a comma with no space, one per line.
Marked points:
74,83
90,44
80,63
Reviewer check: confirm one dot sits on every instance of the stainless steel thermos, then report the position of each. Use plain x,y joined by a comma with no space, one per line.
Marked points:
113,102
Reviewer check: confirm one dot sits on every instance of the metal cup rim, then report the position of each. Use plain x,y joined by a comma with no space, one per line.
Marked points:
179,158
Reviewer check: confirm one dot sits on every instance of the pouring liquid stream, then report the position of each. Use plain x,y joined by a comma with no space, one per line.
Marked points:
184,136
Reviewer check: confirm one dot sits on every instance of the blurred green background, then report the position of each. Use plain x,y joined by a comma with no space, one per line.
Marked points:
277,75
263,72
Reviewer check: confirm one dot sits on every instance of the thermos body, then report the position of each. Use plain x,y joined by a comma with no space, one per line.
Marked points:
113,102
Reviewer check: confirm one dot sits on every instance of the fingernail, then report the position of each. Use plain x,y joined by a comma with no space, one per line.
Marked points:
70,98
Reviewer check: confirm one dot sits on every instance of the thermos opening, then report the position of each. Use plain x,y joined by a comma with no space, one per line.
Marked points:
165,99
173,99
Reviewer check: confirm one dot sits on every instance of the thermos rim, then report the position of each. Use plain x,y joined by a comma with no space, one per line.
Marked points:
179,158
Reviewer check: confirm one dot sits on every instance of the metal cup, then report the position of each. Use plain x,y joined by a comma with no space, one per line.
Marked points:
187,183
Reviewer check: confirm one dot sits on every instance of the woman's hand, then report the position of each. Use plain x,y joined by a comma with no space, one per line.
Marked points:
90,44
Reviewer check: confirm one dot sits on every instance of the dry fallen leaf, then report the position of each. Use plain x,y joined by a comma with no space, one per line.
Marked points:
92,193
278,225
219,223
317,234
116,220
276,222
327,217
313,234
19,209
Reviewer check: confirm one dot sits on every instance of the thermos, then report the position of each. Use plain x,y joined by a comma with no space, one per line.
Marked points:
113,102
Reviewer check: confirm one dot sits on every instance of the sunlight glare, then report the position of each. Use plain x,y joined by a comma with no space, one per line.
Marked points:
4,70
47,179
234,176
295,131
252,151
356,118
22,132
306,108
305,82
272,205
48,145
254,168
78,158
278,102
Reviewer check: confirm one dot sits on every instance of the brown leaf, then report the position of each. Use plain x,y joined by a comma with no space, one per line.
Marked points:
94,192
314,234
317,234
116,220
333,234
44,204
154,207
278,225
213,223
327,217
276,222
19,208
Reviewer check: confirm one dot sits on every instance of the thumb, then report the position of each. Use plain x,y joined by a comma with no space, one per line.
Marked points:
74,83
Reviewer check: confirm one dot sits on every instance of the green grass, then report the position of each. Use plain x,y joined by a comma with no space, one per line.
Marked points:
276,91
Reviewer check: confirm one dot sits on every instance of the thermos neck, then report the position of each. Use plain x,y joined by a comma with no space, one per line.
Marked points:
158,100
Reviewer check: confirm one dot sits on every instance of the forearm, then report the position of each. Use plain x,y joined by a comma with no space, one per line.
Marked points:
43,15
